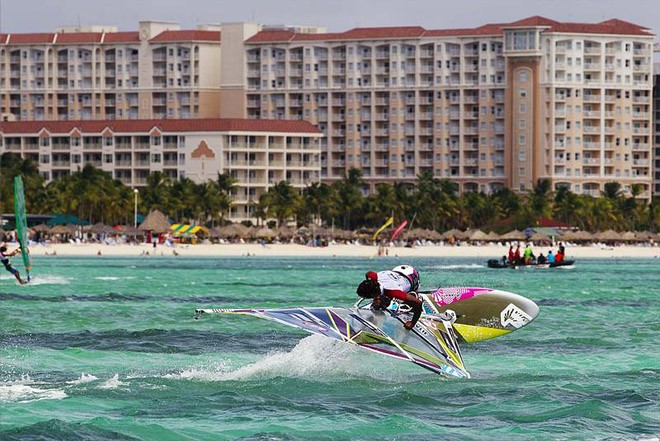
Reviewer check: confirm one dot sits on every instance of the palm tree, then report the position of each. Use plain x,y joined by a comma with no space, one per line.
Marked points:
281,200
350,195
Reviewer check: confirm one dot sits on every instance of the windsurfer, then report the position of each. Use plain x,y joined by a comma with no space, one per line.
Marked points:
4,258
400,283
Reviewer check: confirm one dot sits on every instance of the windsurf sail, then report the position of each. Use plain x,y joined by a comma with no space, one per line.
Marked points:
21,223
430,344
389,222
398,230
482,313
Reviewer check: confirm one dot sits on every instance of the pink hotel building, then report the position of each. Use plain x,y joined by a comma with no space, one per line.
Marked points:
498,105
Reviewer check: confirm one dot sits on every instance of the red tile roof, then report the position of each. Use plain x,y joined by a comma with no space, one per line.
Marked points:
196,35
3,38
79,37
121,37
31,38
532,21
166,125
613,26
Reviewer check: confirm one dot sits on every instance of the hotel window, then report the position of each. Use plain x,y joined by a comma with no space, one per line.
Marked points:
523,76
522,93
522,140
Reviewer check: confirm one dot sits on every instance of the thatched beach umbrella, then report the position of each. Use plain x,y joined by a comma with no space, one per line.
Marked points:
477,235
608,236
61,229
100,228
263,233
41,228
628,236
513,235
453,234
492,237
233,230
285,232
156,222
642,236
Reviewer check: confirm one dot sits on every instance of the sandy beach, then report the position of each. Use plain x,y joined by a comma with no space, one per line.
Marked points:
345,250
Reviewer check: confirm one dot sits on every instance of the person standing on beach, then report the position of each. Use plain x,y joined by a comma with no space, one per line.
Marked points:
399,283
4,258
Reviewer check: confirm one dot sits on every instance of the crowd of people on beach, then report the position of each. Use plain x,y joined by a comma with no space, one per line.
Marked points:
527,256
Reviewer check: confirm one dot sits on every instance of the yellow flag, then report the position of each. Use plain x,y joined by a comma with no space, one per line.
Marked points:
389,222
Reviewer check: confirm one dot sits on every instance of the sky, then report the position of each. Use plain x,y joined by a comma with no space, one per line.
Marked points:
27,16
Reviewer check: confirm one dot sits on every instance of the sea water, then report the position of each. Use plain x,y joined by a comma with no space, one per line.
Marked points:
107,348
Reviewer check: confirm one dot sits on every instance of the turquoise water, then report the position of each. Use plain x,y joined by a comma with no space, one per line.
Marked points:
106,348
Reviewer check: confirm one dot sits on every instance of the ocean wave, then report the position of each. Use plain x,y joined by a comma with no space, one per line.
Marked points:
24,391
309,359
112,383
84,378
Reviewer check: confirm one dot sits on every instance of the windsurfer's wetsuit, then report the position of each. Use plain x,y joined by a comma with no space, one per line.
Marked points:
396,286
5,261
4,258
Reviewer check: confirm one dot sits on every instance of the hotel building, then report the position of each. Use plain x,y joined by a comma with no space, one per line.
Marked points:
98,73
500,105
258,154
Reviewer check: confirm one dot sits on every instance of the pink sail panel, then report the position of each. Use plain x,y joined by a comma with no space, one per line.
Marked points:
446,296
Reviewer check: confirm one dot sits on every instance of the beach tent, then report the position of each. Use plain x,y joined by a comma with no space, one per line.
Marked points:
188,230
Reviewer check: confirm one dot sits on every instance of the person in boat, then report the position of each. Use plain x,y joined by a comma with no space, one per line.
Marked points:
516,256
511,256
551,257
4,258
400,283
527,255
541,259
560,253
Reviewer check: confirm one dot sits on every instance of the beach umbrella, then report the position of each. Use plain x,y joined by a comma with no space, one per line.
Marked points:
265,233
100,228
61,229
453,233
628,236
156,222
476,235
607,236
513,235
583,236
492,237
285,232
41,228
233,230
641,236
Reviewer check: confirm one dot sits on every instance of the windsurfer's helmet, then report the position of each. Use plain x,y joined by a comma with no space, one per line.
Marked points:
409,273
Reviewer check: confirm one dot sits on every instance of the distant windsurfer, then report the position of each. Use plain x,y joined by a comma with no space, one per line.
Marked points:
4,258
399,283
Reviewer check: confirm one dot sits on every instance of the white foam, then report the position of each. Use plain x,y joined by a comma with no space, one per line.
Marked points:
48,280
84,378
465,266
21,391
314,357
112,383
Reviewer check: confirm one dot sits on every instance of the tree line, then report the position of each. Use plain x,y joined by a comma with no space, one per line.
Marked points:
94,196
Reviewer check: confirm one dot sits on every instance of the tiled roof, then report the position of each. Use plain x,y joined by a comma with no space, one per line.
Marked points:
167,125
195,35
79,37
613,26
31,38
122,37
532,21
